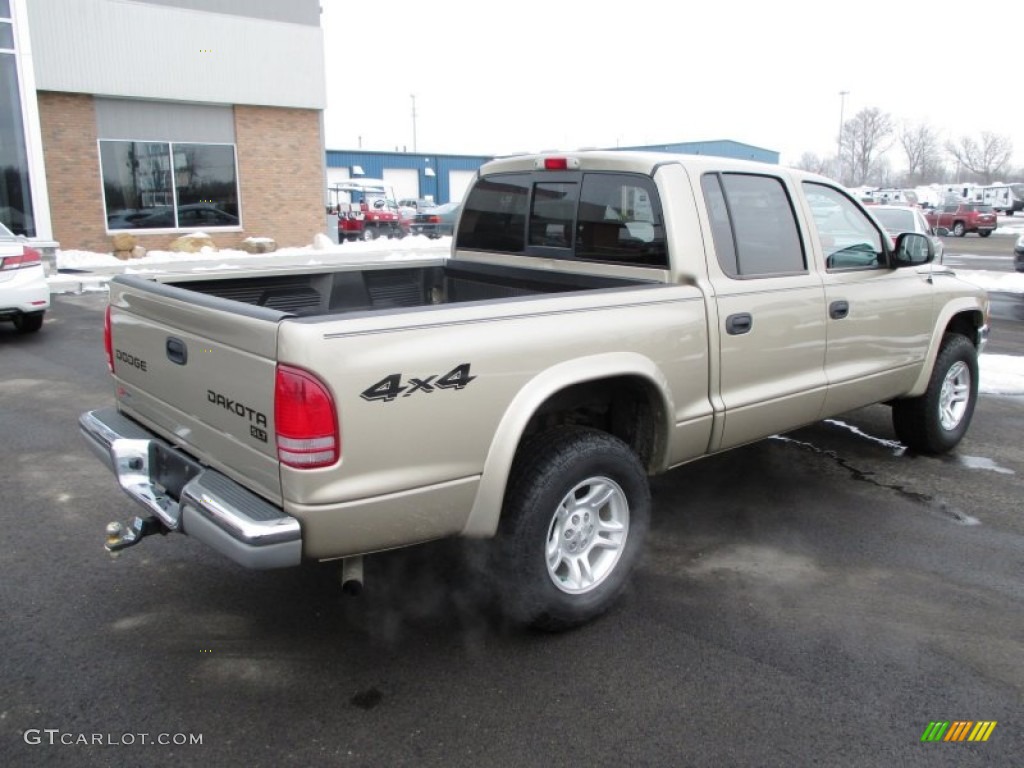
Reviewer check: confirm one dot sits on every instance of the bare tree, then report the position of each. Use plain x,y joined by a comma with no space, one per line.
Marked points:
809,161
865,139
986,159
920,146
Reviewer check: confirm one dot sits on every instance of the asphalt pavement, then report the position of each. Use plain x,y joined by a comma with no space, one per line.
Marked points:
814,599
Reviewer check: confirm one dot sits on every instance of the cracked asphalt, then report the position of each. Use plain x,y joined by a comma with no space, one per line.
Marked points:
816,599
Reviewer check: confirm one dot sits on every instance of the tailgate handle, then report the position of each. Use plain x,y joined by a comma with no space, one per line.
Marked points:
177,352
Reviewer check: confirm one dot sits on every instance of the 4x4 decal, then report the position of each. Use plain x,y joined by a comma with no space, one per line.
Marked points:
391,386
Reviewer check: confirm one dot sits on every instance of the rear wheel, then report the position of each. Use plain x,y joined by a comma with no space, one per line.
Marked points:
369,233
28,323
985,232
576,513
937,420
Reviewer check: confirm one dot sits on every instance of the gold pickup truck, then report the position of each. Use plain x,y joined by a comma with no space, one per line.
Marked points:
602,317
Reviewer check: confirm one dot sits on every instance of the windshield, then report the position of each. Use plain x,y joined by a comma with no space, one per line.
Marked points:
895,220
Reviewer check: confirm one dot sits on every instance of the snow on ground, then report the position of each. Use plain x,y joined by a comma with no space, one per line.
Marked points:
1010,225
1000,282
1001,375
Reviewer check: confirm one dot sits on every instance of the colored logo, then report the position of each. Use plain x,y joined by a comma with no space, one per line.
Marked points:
958,730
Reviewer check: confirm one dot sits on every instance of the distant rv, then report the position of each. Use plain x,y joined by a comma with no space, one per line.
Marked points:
893,195
1004,198
967,192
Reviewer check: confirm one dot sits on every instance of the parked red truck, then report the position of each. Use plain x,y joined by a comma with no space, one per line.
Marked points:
961,218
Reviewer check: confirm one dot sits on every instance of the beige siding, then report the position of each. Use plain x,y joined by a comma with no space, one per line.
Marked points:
142,50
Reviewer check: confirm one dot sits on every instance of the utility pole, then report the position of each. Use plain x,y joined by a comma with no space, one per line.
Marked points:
413,97
839,143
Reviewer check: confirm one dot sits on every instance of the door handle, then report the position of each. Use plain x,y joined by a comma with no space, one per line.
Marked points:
739,323
837,310
177,352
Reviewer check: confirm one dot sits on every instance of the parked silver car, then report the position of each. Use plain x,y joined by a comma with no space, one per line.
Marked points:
902,218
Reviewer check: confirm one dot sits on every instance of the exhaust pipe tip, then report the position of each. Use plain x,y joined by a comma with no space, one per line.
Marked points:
352,576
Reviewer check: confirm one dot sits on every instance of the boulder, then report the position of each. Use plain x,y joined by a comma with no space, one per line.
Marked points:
124,242
259,245
193,243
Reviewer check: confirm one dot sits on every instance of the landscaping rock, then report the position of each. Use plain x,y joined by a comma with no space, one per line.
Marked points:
193,243
259,245
124,242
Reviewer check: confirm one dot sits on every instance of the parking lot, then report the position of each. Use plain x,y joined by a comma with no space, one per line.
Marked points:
817,598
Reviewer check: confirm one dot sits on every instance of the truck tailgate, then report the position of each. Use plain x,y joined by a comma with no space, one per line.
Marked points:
199,371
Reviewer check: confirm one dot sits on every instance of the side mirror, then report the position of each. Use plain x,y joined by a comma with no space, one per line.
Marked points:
912,250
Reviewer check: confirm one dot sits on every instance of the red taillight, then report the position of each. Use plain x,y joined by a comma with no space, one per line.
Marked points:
108,344
305,420
29,257
434,220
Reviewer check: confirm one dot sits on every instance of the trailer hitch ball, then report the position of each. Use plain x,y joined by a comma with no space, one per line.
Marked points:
120,536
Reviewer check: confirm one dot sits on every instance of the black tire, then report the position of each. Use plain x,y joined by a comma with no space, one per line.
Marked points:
369,233
959,229
985,232
937,420
28,323
552,474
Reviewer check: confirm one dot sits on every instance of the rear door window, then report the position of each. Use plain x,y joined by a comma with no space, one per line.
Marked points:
753,225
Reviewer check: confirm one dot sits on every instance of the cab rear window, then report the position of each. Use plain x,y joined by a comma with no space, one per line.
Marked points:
603,217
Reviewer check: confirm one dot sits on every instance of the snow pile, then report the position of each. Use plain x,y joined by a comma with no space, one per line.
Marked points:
1001,375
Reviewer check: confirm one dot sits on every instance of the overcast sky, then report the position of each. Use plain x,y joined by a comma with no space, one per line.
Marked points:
495,78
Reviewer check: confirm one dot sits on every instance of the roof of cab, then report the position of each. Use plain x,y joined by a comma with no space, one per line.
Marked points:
637,162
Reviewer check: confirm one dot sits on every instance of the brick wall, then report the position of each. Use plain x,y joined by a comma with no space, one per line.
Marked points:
280,165
280,169
68,126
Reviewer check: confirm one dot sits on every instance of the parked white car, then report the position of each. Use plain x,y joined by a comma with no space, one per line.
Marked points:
24,294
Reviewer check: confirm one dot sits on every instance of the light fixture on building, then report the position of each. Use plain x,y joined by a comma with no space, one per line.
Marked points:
357,170
429,172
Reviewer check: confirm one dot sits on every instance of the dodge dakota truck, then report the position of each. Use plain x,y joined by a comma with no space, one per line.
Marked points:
601,317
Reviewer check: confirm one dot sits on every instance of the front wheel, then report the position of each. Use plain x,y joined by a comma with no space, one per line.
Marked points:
576,513
937,420
959,229
369,233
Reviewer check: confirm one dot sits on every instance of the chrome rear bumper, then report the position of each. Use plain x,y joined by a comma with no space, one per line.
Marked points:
187,497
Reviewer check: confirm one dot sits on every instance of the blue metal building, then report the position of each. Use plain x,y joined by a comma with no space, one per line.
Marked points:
445,177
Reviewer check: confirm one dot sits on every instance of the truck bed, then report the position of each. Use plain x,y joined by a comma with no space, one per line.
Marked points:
388,287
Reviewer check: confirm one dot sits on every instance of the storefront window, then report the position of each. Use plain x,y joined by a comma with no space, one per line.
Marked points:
141,192
15,194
